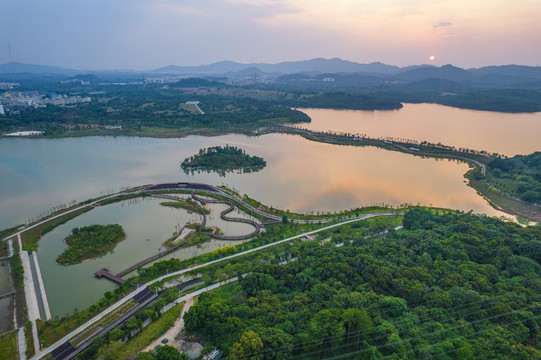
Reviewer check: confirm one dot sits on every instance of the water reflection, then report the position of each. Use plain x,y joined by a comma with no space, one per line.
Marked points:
300,175
147,225
504,133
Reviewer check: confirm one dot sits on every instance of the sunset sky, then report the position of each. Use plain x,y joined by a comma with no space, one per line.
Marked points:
143,34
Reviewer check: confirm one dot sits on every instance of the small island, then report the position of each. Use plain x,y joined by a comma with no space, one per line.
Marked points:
223,159
88,242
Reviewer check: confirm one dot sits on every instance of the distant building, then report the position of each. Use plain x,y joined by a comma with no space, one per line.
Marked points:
113,127
196,104
2,112
25,133
8,86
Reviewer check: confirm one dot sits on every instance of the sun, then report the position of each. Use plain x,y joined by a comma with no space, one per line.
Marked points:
432,58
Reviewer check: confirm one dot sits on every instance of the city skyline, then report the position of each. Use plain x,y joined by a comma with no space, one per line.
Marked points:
142,35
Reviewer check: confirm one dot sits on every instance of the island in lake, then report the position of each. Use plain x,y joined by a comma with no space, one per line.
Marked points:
89,242
222,160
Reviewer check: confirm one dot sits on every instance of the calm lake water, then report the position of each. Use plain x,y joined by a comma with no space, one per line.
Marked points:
503,133
146,224
304,176
300,175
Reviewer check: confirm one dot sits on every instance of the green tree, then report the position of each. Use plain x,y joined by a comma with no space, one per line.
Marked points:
247,347
110,351
150,314
256,282
357,324
116,334
133,323
148,355
167,352
324,329
277,342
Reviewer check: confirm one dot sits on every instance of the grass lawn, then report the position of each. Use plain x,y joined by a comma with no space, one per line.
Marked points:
152,331
8,346
31,237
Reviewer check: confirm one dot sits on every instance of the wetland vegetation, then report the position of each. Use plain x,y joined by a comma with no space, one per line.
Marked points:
89,242
188,205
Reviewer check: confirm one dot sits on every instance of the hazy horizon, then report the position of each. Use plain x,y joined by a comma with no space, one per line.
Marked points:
247,64
141,35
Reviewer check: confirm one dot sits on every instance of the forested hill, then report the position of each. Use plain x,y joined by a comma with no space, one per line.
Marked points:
453,286
519,176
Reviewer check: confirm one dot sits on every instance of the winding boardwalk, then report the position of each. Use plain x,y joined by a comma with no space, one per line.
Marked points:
224,216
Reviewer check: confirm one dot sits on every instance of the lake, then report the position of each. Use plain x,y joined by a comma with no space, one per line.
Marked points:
503,133
301,176
146,224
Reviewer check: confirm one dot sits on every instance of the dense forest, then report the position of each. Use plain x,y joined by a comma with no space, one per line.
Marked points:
223,159
511,98
449,286
89,242
150,108
342,100
136,108
519,176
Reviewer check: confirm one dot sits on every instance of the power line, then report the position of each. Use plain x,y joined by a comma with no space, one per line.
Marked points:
350,335
429,334
424,319
437,343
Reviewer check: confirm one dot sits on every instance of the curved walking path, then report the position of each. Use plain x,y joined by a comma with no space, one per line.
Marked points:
224,216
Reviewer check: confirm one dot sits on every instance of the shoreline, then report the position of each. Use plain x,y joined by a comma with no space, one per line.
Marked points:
501,201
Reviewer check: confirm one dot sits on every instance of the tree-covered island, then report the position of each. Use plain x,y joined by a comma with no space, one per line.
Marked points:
89,242
223,159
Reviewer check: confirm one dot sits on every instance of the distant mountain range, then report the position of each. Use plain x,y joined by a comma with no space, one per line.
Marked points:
19,68
313,66
507,75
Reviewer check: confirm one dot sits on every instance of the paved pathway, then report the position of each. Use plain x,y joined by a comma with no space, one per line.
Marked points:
43,294
21,344
29,289
35,336
174,330
10,245
59,215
